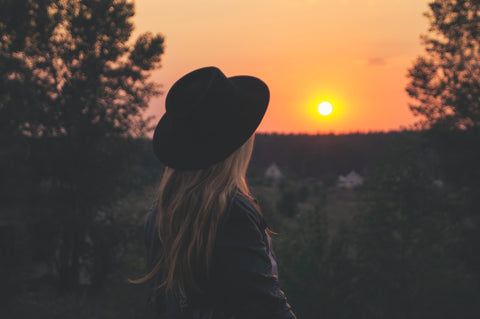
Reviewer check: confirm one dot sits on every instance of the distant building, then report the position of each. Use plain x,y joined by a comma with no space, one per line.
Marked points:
352,180
273,172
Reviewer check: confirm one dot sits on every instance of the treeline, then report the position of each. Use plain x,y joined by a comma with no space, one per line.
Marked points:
322,155
313,156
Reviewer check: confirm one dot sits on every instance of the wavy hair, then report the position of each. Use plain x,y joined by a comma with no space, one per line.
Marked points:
191,205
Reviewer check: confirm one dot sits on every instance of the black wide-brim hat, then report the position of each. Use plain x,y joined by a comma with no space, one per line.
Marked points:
208,116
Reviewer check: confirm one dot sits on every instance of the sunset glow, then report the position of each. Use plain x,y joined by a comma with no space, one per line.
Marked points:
351,53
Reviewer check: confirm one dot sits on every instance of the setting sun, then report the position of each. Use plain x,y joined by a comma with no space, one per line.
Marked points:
325,108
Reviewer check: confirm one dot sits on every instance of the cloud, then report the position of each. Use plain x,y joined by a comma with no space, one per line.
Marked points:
377,61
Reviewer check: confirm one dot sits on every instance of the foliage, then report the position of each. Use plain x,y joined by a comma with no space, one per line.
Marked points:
69,70
317,156
315,269
406,238
459,160
445,81
72,94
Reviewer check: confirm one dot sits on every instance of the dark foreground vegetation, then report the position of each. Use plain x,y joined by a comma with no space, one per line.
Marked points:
402,245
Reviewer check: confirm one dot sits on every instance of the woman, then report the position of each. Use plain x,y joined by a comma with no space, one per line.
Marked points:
208,248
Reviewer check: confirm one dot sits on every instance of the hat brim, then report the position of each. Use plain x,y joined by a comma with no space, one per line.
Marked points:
198,146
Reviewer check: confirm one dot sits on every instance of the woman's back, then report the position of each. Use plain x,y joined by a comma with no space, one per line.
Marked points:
244,276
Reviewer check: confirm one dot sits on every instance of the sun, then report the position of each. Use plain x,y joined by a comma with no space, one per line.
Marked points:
325,108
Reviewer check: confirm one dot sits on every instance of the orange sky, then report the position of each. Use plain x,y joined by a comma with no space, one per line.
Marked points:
352,53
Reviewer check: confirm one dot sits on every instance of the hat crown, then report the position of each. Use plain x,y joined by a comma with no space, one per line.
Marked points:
204,88
208,116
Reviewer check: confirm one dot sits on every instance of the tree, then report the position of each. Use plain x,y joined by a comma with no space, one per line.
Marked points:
73,88
445,81
70,71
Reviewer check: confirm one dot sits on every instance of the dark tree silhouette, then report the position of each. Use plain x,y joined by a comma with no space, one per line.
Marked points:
72,90
68,69
445,81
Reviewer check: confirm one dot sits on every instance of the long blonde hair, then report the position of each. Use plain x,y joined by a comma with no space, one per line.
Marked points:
190,206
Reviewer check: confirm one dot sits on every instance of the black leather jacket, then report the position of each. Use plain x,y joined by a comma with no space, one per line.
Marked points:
244,280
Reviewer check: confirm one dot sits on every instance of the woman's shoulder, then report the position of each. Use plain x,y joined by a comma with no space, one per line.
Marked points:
244,211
